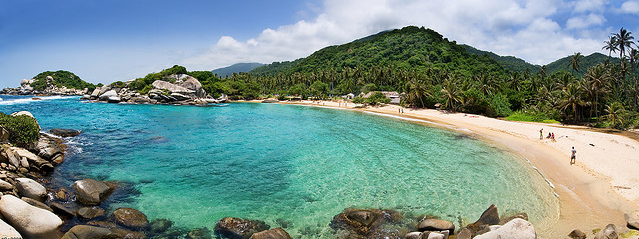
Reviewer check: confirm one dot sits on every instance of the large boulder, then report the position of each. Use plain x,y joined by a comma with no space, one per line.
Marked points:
34,161
65,132
29,188
88,232
436,225
577,234
30,221
109,96
165,85
130,218
464,233
487,218
50,148
91,192
7,231
193,84
275,233
515,229
237,228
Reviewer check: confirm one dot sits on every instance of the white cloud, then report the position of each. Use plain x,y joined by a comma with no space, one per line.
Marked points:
523,28
630,7
581,22
589,6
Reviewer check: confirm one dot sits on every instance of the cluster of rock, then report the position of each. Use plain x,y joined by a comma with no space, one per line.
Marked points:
186,90
49,89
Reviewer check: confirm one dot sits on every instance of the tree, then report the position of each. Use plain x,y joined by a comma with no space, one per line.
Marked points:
574,61
571,99
319,89
623,42
451,94
416,92
615,114
610,45
597,79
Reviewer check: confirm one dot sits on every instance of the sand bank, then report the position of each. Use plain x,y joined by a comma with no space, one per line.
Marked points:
596,191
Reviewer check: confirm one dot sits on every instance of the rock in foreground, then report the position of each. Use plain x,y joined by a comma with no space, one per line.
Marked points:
30,221
515,229
130,218
237,228
88,232
91,192
275,233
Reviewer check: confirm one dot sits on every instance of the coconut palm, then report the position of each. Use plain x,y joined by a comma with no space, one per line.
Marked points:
574,61
452,93
611,46
571,98
597,79
416,92
615,113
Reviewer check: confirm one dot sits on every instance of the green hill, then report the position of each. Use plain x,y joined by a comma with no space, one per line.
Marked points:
509,62
60,78
235,68
409,48
585,63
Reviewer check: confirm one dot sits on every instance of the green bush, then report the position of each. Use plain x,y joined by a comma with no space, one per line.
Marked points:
376,98
531,117
22,129
498,106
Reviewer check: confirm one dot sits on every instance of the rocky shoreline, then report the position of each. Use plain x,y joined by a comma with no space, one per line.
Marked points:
31,208
177,89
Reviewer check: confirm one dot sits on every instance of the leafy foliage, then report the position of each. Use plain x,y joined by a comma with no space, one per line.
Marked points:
60,78
22,129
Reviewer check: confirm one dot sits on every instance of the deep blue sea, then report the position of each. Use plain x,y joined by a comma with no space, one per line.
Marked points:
287,165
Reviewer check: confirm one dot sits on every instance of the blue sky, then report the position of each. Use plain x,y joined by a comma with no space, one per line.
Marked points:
110,40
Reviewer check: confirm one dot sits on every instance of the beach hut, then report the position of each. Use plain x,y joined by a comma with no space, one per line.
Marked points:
349,96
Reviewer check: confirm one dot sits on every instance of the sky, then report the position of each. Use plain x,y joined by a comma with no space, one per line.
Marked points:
103,41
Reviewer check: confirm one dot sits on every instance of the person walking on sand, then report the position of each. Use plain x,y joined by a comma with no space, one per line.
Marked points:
541,133
573,156
553,137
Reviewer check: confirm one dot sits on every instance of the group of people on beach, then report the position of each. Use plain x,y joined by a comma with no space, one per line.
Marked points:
551,135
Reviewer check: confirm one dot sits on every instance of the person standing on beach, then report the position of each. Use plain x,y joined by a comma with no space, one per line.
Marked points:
541,133
573,156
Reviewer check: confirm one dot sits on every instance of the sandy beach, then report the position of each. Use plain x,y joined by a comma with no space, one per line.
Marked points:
599,189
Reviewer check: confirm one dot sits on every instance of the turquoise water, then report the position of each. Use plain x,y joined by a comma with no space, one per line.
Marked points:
283,164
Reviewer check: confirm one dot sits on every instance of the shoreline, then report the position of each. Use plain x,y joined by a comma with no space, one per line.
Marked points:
589,197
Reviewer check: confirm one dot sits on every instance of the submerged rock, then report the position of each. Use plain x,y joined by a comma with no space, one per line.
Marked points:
577,234
90,212
160,225
237,228
363,222
130,218
275,233
91,192
65,132
199,233
89,232
30,221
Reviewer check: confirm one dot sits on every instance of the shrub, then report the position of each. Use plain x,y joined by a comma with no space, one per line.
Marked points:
498,105
376,98
22,129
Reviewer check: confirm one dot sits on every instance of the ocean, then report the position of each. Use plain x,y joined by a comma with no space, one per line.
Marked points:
290,166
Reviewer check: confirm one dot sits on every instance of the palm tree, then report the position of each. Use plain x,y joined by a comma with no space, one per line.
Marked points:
611,46
451,93
623,41
485,84
615,113
597,78
571,99
416,92
574,61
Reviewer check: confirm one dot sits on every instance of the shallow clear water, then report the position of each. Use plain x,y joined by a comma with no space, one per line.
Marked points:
283,164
